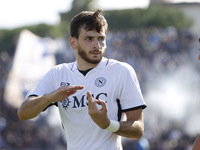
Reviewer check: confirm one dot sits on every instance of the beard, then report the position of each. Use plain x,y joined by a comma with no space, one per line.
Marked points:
85,56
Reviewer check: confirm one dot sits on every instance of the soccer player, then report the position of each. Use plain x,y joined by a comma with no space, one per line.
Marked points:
99,99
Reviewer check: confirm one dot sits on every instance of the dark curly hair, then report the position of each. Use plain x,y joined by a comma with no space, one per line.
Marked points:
89,20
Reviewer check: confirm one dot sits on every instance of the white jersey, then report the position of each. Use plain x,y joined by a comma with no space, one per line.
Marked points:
111,81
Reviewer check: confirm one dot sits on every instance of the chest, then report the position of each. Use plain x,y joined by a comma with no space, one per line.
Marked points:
101,85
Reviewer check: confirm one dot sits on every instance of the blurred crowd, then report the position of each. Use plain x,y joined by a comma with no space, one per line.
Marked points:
150,51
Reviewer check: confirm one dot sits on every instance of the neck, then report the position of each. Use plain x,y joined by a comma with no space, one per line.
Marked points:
83,65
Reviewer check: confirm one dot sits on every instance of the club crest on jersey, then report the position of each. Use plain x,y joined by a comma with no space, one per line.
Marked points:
101,81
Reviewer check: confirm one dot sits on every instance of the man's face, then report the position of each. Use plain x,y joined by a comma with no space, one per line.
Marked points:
91,45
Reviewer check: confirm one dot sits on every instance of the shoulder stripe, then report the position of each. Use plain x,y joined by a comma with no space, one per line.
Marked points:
107,62
72,66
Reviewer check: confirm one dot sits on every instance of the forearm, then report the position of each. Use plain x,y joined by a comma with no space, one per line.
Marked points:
32,107
131,129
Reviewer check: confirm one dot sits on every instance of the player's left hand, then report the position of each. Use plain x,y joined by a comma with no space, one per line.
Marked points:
99,116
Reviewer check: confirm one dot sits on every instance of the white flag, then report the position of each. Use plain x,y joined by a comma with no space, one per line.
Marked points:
34,56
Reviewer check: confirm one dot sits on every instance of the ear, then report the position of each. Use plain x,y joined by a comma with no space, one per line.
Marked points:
73,42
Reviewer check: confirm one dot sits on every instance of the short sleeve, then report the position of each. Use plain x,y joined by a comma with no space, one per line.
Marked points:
45,85
130,94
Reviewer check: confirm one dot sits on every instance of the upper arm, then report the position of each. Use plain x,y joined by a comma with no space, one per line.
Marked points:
135,115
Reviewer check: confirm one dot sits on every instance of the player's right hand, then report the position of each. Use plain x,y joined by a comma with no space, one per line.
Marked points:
63,92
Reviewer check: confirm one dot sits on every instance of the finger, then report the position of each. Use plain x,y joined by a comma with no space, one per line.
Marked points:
90,99
78,87
70,88
70,93
102,103
91,103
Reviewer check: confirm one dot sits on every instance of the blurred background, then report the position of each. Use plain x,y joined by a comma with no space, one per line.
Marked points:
159,38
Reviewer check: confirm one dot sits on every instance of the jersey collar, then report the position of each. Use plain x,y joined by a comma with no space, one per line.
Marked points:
102,64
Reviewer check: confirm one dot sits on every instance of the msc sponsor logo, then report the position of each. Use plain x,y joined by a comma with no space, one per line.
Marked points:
75,102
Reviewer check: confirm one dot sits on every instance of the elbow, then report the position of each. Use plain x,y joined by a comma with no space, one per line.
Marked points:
139,134
135,136
21,115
